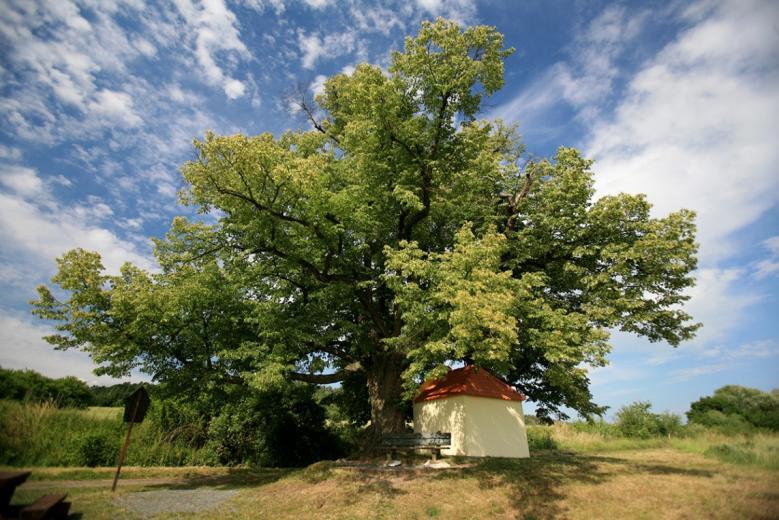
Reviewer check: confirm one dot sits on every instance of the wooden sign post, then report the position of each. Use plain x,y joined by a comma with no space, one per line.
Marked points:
135,408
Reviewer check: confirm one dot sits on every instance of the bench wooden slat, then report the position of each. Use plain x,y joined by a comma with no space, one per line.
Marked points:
47,506
416,440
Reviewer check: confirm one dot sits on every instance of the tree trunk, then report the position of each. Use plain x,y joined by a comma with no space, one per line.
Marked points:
385,391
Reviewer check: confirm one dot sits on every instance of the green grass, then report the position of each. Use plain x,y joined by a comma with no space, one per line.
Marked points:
755,449
44,435
103,412
575,471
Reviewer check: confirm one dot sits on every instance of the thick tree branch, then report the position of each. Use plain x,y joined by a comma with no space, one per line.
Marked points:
326,379
513,208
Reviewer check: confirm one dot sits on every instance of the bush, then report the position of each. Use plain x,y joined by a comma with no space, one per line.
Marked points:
737,407
97,450
636,420
281,428
669,424
730,424
540,438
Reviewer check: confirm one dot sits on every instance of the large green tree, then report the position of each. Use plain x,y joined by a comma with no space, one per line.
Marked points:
398,234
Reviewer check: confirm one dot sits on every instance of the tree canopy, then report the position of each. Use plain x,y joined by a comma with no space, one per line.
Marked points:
733,404
398,234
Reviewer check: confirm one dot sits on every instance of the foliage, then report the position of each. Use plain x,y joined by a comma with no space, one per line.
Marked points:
274,428
114,395
397,235
540,438
737,409
96,449
636,420
599,426
33,434
28,385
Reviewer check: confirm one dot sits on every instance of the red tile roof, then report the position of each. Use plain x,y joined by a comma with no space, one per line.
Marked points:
468,380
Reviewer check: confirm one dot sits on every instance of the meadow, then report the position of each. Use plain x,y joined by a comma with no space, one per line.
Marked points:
576,470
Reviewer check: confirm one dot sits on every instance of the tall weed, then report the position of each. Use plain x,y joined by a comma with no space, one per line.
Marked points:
40,434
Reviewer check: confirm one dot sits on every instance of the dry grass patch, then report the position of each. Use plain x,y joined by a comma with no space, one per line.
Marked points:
644,484
649,483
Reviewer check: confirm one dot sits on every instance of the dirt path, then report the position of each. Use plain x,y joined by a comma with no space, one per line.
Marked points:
98,483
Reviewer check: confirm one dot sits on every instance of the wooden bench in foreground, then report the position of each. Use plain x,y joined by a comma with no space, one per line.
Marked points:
48,506
416,441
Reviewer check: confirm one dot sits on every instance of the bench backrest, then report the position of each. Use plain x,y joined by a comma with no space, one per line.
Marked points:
408,440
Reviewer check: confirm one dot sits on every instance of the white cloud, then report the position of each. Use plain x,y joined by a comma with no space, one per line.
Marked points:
317,86
461,11
35,232
584,81
770,265
22,347
278,6
685,374
21,180
317,4
116,107
234,89
314,47
752,350
10,152
697,127
378,19
216,33
62,181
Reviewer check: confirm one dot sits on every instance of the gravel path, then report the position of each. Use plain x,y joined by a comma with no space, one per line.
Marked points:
148,503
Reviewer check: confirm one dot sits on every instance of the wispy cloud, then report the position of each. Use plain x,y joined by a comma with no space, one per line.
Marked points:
770,265
686,374
697,124
23,347
315,46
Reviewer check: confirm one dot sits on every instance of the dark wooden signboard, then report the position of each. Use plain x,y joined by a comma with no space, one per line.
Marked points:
135,408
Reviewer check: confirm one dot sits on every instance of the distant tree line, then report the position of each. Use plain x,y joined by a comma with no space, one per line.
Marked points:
732,409
65,392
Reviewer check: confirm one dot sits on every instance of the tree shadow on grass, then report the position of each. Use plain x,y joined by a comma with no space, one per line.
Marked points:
234,478
537,485
376,482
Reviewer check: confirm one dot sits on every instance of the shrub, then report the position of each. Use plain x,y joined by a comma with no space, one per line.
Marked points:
636,420
668,424
97,450
540,438
283,427
726,423
741,405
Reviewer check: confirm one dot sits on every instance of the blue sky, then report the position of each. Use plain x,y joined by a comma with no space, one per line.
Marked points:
100,101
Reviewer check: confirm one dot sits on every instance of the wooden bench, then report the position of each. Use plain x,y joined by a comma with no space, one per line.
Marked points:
416,441
48,506
9,480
